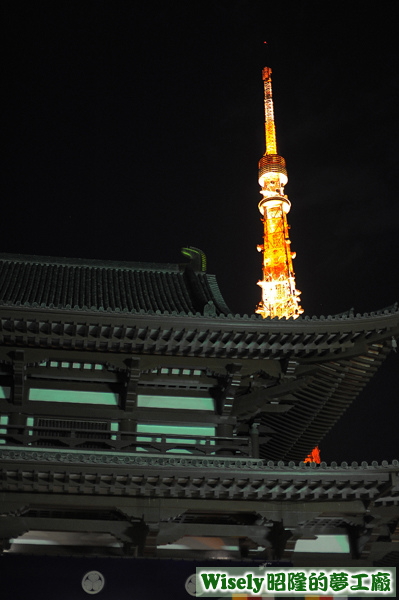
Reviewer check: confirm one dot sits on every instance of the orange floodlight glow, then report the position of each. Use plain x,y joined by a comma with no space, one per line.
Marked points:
314,456
280,298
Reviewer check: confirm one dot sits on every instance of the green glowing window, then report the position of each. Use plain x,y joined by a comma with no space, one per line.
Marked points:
5,392
30,422
76,397
198,431
324,543
114,427
3,421
178,402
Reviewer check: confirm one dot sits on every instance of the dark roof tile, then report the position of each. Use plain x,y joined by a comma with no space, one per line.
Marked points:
106,285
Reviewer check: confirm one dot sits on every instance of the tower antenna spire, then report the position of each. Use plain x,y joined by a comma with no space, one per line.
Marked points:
280,298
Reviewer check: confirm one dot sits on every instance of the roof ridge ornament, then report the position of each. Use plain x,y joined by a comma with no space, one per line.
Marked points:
197,258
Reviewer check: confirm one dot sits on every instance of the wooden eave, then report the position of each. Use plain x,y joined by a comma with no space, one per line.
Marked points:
314,368
138,475
235,337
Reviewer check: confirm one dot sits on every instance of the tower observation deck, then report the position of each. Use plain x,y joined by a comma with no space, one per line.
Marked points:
280,298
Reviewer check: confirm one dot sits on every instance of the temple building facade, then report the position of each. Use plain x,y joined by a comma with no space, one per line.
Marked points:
141,418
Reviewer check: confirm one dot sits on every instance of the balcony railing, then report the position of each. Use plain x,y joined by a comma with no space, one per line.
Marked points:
104,438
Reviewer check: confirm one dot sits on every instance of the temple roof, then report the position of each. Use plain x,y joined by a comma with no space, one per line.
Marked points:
297,376
47,282
265,480
191,498
182,289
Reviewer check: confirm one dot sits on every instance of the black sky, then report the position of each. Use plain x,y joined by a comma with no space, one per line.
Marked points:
135,129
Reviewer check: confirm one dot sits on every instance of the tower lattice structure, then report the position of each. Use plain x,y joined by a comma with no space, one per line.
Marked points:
280,298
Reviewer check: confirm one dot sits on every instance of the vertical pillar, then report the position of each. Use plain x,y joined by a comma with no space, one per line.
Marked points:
16,427
126,427
224,430
254,434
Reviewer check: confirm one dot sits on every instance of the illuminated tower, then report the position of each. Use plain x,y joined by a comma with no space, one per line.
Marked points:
279,296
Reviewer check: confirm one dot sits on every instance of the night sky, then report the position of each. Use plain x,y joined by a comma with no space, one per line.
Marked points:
135,129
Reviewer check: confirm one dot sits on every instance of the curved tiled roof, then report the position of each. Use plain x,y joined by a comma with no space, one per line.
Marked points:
323,362
264,480
35,281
